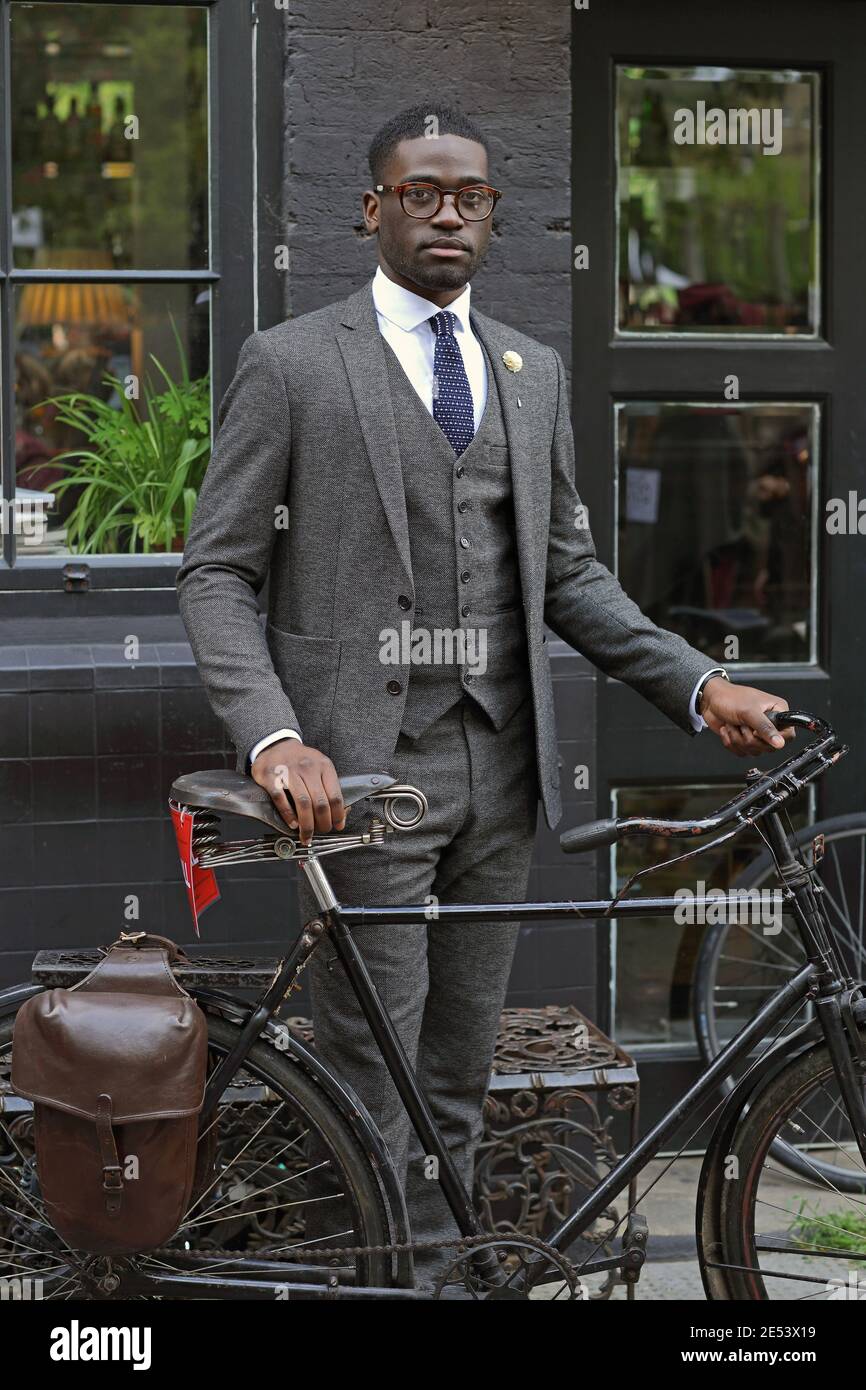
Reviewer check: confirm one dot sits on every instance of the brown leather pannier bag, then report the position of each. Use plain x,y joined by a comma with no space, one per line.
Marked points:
116,1067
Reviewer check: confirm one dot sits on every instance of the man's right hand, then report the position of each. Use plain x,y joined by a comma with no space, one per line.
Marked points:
291,769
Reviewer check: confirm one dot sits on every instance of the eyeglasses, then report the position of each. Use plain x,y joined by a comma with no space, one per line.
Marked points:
474,203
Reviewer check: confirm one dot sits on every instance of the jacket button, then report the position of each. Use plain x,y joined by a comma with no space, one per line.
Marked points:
465,577
404,602
394,687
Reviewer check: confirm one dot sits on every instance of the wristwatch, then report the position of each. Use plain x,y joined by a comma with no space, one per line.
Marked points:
716,671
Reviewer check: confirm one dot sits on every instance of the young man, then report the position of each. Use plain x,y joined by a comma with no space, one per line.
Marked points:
422,456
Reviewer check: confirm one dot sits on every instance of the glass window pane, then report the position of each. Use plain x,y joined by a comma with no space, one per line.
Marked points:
68,338
717,201
716,531
656,956
109,136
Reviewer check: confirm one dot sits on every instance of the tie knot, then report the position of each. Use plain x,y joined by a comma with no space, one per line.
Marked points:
443,323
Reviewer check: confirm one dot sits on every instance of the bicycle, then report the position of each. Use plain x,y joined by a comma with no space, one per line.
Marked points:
267,1093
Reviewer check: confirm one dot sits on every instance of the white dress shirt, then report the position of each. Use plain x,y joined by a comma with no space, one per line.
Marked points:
403,322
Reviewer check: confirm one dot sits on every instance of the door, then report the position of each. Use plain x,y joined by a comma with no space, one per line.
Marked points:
720,418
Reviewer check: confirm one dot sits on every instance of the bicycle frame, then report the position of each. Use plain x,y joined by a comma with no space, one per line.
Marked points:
822,980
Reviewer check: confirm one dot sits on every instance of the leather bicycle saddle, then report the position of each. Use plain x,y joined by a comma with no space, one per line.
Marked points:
235,794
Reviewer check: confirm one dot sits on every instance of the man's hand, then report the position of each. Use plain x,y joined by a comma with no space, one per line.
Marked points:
737,713
309,778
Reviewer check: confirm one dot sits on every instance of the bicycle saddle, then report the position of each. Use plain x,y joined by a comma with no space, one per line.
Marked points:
238,795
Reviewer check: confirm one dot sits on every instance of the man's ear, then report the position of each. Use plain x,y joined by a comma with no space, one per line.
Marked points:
371,203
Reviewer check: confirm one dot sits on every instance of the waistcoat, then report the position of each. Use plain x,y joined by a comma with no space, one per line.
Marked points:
467,635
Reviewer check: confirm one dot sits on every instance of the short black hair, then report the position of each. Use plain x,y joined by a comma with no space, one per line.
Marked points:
414,122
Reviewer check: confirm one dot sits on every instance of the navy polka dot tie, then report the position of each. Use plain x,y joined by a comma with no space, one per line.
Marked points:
452,396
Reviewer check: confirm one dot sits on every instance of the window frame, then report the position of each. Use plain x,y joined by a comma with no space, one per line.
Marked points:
244,88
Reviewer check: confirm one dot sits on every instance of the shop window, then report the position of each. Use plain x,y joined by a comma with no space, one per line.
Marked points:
108,292
717,524
717,198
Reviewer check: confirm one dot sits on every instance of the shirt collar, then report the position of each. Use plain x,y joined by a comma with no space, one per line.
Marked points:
408,310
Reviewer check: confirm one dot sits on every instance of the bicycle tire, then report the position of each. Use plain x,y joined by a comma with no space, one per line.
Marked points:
281,1077
753,1140
704,986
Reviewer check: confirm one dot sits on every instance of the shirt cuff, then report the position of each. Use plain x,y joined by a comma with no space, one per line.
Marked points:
698,720
263,743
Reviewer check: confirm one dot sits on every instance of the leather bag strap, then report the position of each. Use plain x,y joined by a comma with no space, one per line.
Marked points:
112,1173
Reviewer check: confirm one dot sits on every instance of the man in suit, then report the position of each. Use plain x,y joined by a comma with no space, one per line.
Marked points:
403,468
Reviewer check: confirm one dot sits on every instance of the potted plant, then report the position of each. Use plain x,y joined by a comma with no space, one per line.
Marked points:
136,475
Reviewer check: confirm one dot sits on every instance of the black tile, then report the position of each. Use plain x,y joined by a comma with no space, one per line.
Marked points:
14,671
67,853
14,968
189,724
129,787
16,915
16,857
93,915
127,721
61,724
15,791
63,789
566,955
13,726
114,665
572,881
129,849
60,666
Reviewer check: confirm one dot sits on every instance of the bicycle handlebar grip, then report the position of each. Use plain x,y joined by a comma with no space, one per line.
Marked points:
594,835
783,718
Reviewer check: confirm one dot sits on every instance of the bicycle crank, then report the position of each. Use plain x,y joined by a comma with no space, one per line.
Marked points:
522,1263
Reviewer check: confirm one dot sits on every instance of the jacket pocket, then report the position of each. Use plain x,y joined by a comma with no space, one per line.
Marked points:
308,668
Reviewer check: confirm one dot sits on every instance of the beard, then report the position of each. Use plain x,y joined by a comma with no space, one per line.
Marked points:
431,274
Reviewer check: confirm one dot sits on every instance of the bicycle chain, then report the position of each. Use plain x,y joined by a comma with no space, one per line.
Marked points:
396,1248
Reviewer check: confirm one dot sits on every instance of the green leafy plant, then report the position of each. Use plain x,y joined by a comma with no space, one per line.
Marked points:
139,475
837,1230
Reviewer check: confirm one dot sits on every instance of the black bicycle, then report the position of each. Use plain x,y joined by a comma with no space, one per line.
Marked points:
276,1115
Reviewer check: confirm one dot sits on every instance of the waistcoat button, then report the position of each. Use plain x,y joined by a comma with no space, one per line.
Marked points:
394,687
404,602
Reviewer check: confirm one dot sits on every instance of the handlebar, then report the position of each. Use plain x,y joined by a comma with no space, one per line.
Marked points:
772,787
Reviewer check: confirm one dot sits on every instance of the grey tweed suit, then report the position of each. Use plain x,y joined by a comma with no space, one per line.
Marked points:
319,435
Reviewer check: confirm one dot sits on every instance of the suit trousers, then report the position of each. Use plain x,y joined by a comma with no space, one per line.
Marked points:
443,984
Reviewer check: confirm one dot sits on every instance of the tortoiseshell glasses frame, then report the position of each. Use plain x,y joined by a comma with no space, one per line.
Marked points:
422,196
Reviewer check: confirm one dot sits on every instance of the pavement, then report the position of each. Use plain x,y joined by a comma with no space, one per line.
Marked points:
671,1272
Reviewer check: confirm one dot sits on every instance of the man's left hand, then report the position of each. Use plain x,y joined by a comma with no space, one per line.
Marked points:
737,713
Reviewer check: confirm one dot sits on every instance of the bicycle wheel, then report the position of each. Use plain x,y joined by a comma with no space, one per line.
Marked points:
740,966
780,1236
275,1129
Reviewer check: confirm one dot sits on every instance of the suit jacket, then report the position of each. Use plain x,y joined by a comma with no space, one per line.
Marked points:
305,484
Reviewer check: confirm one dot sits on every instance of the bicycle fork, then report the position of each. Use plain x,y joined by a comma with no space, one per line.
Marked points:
833,995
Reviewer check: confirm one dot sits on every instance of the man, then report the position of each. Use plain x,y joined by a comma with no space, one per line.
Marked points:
403,467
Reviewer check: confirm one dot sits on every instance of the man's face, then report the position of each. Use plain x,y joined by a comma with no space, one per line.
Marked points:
439,253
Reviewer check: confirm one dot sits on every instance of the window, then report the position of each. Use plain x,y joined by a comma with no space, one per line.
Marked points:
118,331
717,201
717,524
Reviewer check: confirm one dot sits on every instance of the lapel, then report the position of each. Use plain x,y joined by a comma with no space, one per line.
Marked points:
363,352
524,427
